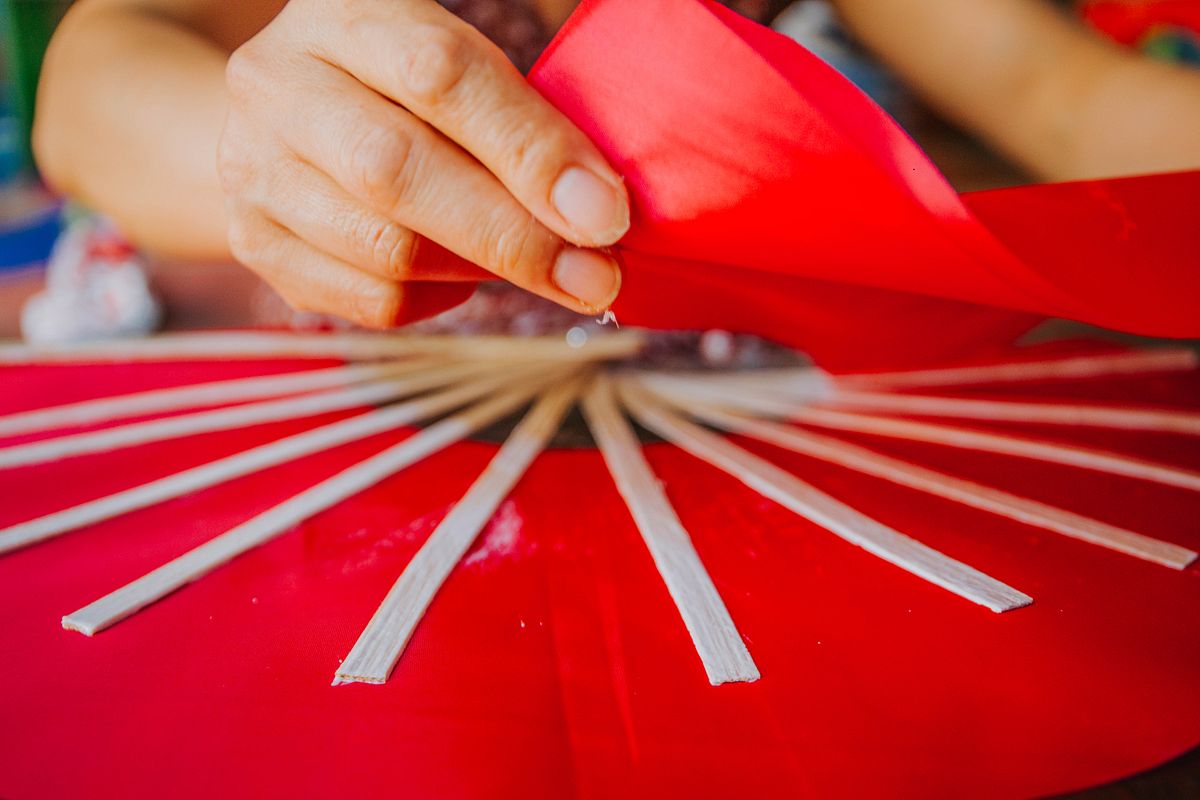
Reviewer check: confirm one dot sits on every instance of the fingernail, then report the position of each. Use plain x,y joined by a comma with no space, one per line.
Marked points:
590,277
591,206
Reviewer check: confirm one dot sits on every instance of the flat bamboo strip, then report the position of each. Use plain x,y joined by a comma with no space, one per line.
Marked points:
771,405
235,390
1169,359
378,648
835,516
802,381
1083,415
688,392
718,643
250,461
810,387
1005,444
219,419
351,346
986,498
266,526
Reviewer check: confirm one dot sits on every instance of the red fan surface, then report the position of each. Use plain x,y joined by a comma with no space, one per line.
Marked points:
554,664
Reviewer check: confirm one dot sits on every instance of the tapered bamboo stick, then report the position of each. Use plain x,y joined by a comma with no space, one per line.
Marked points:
378,648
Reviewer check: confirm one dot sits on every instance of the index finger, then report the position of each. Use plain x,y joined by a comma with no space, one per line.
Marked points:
448,74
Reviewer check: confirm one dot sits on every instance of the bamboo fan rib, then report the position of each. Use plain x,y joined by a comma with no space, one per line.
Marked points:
1107,365
759,397
794,382
836,517
377,650
413,379
229,418
778,393
222,345
1003,444
247,462
959,490
124,601
686,390
717,640
1134,419
236,390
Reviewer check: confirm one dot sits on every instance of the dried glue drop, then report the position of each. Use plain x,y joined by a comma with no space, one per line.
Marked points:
576,337
717,348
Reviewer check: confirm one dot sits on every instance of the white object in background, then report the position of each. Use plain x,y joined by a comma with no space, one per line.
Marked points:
96,287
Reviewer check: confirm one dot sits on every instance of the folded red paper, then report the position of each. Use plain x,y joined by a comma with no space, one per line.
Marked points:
771,196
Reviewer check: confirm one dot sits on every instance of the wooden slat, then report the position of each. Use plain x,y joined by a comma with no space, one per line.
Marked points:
211,393
986,498
718,643
1135,362
271,523
381,643
1132,418
247,462
1001,443
221,419
814,505
223,345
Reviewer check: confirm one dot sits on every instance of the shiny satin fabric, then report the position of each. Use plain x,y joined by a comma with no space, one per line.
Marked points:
755,169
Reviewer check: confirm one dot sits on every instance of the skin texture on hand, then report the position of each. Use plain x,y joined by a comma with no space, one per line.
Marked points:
355,136
362,141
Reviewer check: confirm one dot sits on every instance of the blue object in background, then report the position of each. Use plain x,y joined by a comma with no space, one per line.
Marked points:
29,217
815,25
28,241
1172,43
10,138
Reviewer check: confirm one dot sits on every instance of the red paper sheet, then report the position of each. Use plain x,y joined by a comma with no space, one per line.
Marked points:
770,195
554,664
1129,23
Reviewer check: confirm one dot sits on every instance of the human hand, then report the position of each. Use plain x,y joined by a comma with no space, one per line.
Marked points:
360,132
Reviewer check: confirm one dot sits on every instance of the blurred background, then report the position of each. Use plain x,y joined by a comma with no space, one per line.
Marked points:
28,213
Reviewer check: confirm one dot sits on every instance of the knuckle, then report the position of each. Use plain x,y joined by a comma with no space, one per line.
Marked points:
518,250
380,163
436,63
235,171
379,307
245,244
534,152
392,249
245,73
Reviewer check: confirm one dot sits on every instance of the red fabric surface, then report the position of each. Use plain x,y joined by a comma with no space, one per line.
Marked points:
557,665
755,168
1127,22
